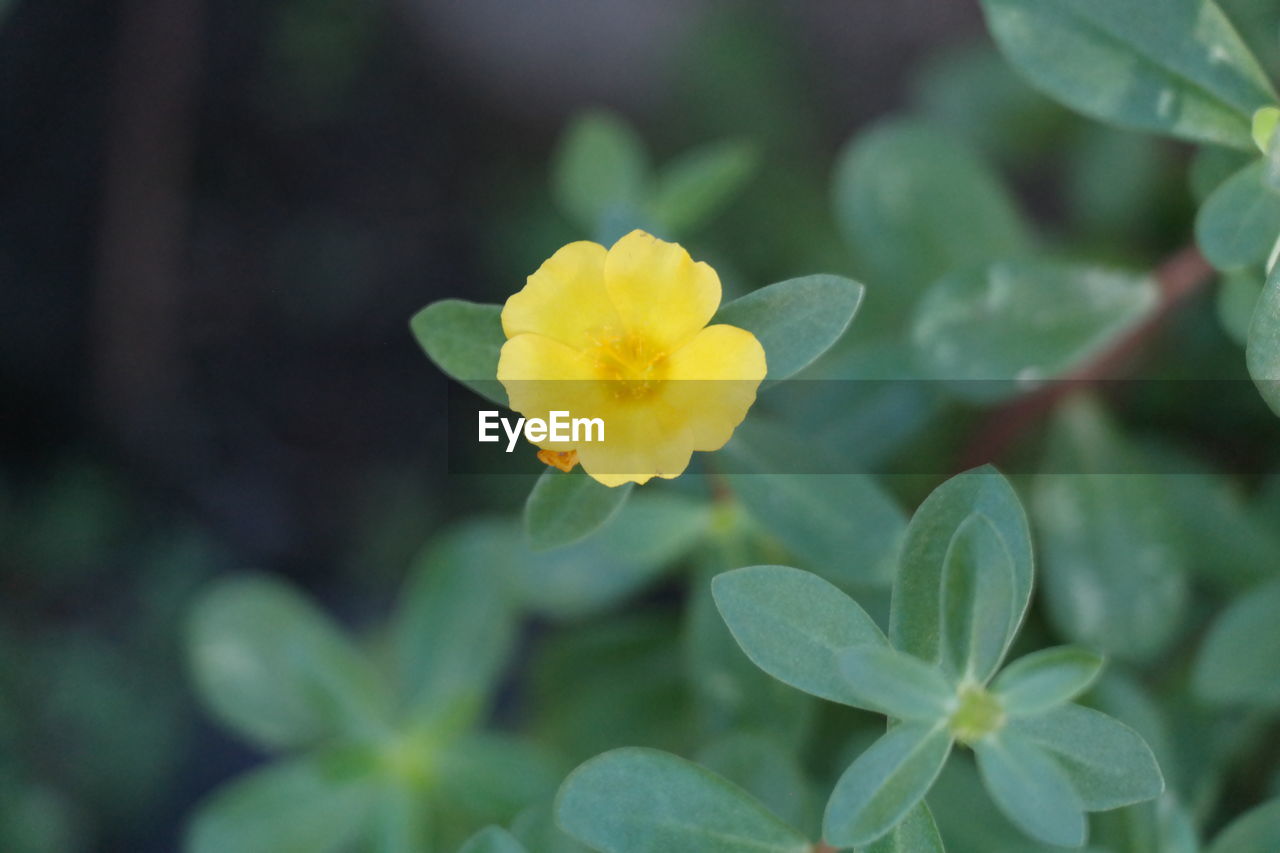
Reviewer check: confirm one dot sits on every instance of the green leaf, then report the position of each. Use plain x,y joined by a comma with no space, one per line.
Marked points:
600,173
1114,576
1257,831
642,539
1240,222
916,834
696,185
1237,299
644,801
1184,72
566,507
269,665
456,622
1045,679
1263,351
914,202
917,618
399,823
896,684
844,527
990,332
494,839
1160,826
490,777
1108,763
766,770
979,614
537,829
885,783
464,340
793,625
313,804
795,320
1211,167
1239,663
1031,789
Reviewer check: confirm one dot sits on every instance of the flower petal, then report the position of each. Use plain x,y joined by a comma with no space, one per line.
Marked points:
542,375
565,300
642,441
658,290
713,379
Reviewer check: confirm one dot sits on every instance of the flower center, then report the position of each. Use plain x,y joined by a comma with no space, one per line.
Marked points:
631,364
977,715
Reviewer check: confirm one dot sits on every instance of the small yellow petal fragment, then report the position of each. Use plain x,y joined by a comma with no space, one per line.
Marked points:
1264,127
565,460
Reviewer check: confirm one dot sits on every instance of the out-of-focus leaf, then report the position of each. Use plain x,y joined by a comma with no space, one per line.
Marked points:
494,839
1045,679
456,621
1263,350
916,618
1114,577
600,175
536,828
566,507
645,537
767,771
1257,831
885,783
1161,826
464,340
491,777
895,683
313,804
1239,663
914,203
1031,789
399,822
794,625
795,320
916,834
1211,167
1108,763
694,186
645,801
1237,299
272,667
1184,72
1117,183
1240,222
1013,324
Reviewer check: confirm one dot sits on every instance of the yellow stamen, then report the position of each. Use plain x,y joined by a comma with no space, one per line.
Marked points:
562,459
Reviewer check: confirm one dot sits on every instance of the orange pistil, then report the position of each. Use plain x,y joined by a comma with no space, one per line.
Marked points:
562,459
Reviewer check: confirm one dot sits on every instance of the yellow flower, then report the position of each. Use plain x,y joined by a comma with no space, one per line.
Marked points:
622,335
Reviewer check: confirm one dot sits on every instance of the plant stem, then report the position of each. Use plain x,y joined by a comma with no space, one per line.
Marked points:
1181,276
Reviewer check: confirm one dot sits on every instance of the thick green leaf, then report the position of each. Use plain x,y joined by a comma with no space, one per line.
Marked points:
794,625
988,332
914,202
1046,679
885,783
896,684
1263,351
600,174
456,621
305,805
696,185
566,507
979,614
844,527
1239,662
642,539
494,839
1240,222
644,801
768,771
916,619
1108,763
795,320
464,340
490,777
1183,72
1114,576
1257,831
916,834
1031,789
275,669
